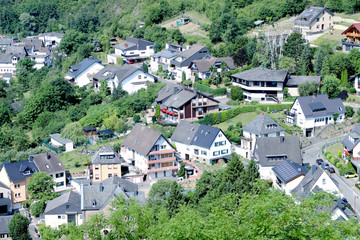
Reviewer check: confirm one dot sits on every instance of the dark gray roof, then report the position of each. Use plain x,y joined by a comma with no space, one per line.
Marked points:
167,91
56,137
76,70
11,51
141,139
126,185
196,51
262,74
68,203
294,81
105,132
6,41
205,63
288,171
19,171
308,182
320,105
4,223
167,53
36,43
48,162
191,133
352,139
180,98
263,124
133,44
89,128
287,146
309,15
52,34
105,150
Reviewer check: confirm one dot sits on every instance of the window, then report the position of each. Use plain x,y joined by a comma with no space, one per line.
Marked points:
60,184
216,153
115,166
329,17
225,151
317,19
323,19
1,195
163,146
97,176
317,26
167,164
196,151
139,76
17,185
339,108
59,175
67,206
216,144
96,167
109,166
59,217
115,174
109,175
152,165
203,153
324,181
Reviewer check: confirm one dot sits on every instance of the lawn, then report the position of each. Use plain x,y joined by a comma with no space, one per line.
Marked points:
353,98
245,118
334,149
210,168
330,38
280,119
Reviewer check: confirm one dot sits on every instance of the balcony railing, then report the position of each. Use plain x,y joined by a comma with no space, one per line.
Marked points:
162,160
350,43
162,169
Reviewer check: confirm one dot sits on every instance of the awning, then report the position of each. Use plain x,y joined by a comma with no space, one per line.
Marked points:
346,152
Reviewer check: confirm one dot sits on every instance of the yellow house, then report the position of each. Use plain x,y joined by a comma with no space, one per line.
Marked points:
105,164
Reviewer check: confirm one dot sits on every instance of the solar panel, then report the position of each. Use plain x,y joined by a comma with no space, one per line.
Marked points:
317,107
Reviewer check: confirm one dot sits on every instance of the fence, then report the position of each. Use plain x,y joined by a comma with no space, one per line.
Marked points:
52,148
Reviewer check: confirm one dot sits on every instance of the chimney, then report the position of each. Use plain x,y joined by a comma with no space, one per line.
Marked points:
262,114
31,158
314,95
282,139
101,187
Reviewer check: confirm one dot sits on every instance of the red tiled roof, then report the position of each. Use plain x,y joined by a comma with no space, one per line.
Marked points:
356,25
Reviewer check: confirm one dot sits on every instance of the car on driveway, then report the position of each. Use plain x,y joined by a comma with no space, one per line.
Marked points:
325,166
319,161
350,175
331,170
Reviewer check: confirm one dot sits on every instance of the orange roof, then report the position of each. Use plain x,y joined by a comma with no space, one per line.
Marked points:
356,25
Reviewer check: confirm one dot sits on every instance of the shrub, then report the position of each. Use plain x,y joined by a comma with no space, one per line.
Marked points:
336,161
77,165
328,156
339,153
332,160
85,163
236,93
136,118
37,208
339,165
326,153
352,90
215,92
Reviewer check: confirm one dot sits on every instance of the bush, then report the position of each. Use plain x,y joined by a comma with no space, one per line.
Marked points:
37,208
332,160
339,153
339,165
215,92
352,90
336,161
77,165
349,112
326,153
136,118
328,156
236,93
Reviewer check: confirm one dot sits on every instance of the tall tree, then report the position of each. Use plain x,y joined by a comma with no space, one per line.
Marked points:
175,199
325,66
307,89
331,86
234,169
41,187
24,68
18,227
293,46
74,132
318,63
306,60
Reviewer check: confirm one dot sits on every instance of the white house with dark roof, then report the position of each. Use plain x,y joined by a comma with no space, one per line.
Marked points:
58,142
261,126
272,151
105,164
10,58
314,20
164,57
200,142
50,163
82,73
287,176
132,50
65,209
313,112
150,152
4,227
131,78
51,39
351,142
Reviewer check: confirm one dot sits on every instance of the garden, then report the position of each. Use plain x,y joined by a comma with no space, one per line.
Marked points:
333,153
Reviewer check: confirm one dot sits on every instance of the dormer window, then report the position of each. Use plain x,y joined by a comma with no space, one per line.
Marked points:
339,108
27,172
94,203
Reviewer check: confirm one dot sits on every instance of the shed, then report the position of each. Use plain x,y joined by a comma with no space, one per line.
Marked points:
57,141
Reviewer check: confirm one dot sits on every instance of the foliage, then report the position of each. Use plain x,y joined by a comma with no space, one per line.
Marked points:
349,112
175,199
71,41
306,57
104,88
215,92
308,88
24,68
18,227
114,123
37,208
41,187
181,172
234,133
352,90
145,67
294,45
136,118
74,132
157,111
330,86
118,93
236,93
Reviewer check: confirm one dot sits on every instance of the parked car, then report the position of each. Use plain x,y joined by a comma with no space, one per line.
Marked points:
326,166
350,175
331,170
344,200
319,161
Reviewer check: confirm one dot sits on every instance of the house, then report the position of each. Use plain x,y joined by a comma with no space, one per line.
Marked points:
352,35
131,78
150,152
63,143
64,209
105,134
6,42
7,77
5,199
272,151
10,58
182,61
202,67
38,52
4,226
89,131
132,50
288,175
179,103
51,39
316,180
294,82
312,112
163,58
351,142
200,142
98,197
356,83
261,126
77,182
105,164
314,20
82,73
15,176
50,163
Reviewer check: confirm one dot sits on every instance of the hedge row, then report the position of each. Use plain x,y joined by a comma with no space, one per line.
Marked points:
215,92
219,117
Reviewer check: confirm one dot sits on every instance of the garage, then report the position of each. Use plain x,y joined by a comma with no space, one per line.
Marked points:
3,209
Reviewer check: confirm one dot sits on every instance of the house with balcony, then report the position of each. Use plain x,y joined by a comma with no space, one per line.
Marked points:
51,39
202,67
200,142
132,50
351,143
10,58
272,151
50,163
130,77
181,62
287,176
38,52
150,152
181,103
314,20
82,73
15,176
311,113
105,163
261,84
259,127
352,37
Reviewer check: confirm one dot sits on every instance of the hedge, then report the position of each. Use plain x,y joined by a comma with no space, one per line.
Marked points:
215,92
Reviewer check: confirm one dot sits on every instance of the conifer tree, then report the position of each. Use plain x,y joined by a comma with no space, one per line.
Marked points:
175,199
318,64
234,169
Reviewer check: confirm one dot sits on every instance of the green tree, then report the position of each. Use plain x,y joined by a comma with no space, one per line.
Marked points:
293,46
71,41
157,193
74,132
37,208
136,118
349,112
157,47
181,172
288,64
338,62
145,67
318,63
118,93
236,93
306,60
175,199
331,86
104,88
344,77
157,111
18,227
183,76
308,88
41,187
114,123
325,66
234,169
24,68
5,114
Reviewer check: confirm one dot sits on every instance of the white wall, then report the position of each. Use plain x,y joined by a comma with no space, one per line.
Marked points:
265,172
83,78
58,180
329,185
54,222
142,53
132,83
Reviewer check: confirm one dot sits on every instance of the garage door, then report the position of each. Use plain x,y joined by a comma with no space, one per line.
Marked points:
3,209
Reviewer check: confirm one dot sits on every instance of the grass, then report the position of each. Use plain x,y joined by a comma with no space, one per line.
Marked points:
353,98
278,117
330,38
289,99
210,168
356,16
245,118
334,149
